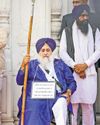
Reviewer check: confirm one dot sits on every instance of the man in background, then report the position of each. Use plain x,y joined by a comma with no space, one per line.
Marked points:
68,18
80,49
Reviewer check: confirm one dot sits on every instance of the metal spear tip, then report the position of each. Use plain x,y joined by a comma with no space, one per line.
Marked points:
33,1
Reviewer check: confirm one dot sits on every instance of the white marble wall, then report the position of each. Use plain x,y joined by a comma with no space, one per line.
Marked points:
56,9
14,25
2,64
5,93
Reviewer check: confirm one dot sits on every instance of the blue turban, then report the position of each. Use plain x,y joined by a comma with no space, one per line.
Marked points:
78,10
40,43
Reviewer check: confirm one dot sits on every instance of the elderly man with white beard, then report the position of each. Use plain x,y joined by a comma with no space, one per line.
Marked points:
41,111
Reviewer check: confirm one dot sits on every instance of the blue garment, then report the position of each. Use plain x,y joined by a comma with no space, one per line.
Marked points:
39,111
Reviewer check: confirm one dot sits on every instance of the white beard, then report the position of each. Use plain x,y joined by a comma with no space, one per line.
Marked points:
46,62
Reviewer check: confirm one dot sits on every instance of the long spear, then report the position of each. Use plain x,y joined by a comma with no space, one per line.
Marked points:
26,66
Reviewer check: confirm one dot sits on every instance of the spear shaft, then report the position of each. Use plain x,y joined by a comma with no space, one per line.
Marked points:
26,69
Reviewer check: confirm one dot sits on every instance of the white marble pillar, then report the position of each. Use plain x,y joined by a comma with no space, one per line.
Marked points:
7,104
56,9
6,91
1,81
3,40
5,5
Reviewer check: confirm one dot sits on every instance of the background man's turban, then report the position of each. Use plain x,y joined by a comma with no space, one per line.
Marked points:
78,10
40,43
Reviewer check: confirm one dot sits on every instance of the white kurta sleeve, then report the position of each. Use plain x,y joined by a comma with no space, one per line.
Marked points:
96,55
63,51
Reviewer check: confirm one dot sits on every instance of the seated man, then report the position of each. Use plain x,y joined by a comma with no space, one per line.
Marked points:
39,111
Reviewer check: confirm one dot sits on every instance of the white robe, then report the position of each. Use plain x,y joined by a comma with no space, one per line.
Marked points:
84,53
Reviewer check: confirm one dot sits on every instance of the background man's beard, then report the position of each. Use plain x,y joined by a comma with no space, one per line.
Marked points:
83,26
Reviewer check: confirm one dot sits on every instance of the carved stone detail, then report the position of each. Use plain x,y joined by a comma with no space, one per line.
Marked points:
5,117
3,39
56,18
